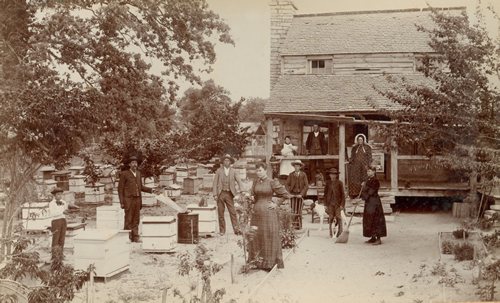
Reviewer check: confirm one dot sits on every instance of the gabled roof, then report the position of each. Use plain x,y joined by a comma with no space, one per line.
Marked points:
359,32
332,93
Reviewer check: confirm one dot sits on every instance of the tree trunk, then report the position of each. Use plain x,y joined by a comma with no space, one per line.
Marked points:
473,194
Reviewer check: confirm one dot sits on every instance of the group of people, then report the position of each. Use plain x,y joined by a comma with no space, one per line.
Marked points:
266,243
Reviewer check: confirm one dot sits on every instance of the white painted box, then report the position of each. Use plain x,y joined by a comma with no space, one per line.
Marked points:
98,188
159,226
166,179
110,217
159,243
77,184
208,180
37,224
207,217
207,227
107,249
94,198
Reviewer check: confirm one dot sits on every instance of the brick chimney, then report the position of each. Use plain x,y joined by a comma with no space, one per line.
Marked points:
282,12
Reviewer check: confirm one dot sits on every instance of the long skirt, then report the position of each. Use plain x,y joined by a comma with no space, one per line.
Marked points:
265,247
373,219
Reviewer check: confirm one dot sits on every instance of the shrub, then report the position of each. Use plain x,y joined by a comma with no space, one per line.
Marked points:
447,247
460,234
287,231
493,240
464,251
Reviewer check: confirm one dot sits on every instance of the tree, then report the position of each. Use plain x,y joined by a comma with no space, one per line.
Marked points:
77,70
252,110
211,122
453,113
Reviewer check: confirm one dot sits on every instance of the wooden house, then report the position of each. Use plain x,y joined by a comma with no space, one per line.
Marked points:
326,69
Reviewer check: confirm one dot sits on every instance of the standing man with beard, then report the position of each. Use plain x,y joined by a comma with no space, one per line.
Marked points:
316,145
129,192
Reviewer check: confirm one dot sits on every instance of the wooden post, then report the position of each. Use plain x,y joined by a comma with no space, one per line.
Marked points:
342,152
269,145
394,167
232,269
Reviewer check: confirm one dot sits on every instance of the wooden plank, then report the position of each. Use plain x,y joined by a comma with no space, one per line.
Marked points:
394,169
342,152
309,157
269,144
344,65
382,55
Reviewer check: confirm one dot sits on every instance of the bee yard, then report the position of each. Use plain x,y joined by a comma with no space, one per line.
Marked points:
110,217
94,194
207,217
180,174
107,249
158,233
167,179
173,191
192,185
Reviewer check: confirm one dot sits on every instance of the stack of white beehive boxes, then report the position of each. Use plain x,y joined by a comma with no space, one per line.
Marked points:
94,194
110,217
207,218
107,249
36,215
181,172
147,198
158,233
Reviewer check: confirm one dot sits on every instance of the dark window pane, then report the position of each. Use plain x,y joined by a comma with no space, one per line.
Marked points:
321,63
314,63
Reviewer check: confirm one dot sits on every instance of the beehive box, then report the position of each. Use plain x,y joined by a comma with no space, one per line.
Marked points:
47,172
94,194
241,172
173,191
107,249
192,185
76,170
208,180
110,217
207,217
77,183
72,230
167,179
158,233
62,178
202,170
180,174
36,216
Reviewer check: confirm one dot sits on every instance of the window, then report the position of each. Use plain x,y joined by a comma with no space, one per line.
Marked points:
321,66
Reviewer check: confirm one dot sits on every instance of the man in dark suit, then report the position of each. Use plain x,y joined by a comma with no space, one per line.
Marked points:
316,145
297,185
224,190
334,199
129,192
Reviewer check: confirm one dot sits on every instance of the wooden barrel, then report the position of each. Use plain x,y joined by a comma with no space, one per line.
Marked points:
187,228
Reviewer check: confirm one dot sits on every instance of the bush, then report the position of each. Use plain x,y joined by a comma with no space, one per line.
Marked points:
463,252
493,240
447,247
460,233
287,231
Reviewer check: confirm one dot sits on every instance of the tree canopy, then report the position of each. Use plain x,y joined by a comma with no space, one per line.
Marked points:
211,122
453,113
252,110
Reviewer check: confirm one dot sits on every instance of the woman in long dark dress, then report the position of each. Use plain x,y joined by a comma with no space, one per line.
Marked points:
361,158
266,244
373,216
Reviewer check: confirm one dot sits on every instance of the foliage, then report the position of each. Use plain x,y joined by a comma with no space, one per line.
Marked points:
449,278
463,251
58,284
243,205
206,268
460,234
211,123
287,231
490,275
252,110
492,240
452,113
447,247
90,171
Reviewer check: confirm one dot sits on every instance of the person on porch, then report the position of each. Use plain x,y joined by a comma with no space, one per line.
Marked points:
288,150
297,185
316,145
360,160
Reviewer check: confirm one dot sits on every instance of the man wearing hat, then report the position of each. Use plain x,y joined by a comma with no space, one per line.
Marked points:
334,199
224,189
129,192
57,209
297,185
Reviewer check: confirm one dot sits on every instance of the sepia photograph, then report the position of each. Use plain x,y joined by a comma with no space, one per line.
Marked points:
253,151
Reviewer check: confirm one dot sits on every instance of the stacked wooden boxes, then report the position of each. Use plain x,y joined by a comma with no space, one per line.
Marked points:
208,180
181,172
62,178
192,170
47,172
77,184
192,185
147,198
110,217
76,170
173,191
207,217
95,193
461,210
36,215
158,233
107,249
202,170
167,178
72,230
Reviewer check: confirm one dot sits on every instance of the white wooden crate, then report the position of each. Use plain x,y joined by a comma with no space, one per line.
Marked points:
207,226
205,213
110,217
107,249
158,226
159,243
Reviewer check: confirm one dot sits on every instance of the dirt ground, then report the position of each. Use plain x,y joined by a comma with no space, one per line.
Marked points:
405,268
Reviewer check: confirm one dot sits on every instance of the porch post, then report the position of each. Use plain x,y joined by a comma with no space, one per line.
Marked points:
269,145
342,152
394,167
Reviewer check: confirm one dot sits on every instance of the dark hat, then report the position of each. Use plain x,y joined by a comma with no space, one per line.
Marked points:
130,159
56,190
297,162
227,156
333,171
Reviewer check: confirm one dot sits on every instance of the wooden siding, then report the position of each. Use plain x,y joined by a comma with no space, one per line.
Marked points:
346,64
